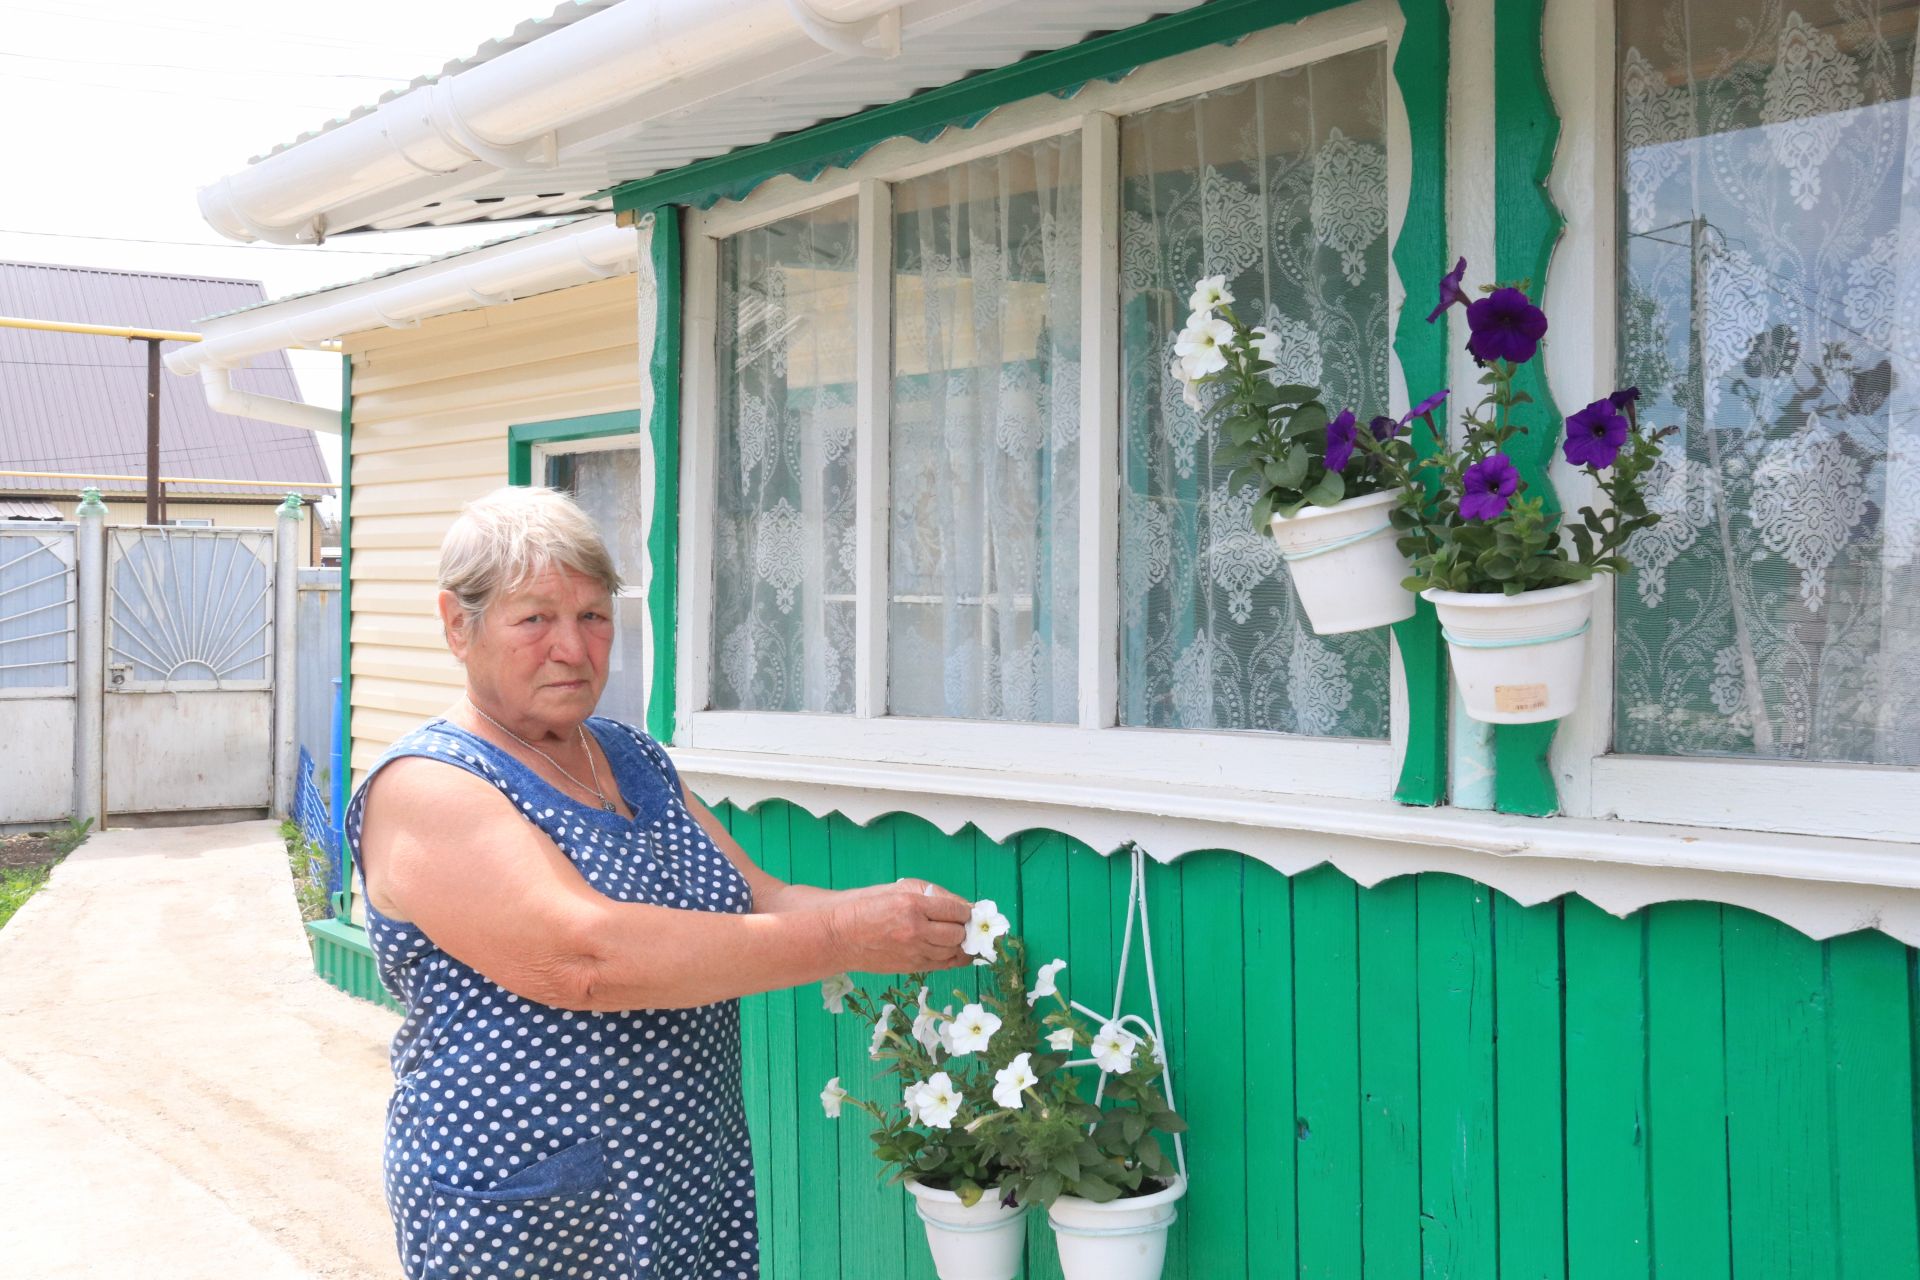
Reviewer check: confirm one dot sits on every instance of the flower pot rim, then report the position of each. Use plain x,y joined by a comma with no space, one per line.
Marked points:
1500,600
1345,504
1176,1188
923,1191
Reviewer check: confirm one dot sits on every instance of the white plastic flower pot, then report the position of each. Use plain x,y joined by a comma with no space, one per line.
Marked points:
1345,566
1121,1240
979,1243
1517,659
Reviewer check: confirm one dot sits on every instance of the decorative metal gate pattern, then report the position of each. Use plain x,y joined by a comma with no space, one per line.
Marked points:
38,597
190,653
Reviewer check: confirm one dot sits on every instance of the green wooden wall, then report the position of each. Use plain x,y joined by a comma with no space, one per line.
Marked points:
1419,1080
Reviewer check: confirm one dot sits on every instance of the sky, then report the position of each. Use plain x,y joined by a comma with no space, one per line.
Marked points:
118,112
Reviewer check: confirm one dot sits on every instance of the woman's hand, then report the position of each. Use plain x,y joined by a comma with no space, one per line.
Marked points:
909,926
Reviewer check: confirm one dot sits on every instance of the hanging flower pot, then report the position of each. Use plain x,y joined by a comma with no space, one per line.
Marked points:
982,1242
1517,659
1346,568
1122,1239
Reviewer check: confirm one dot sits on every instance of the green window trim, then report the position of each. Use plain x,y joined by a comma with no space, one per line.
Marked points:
1419,254
1527,228
522,436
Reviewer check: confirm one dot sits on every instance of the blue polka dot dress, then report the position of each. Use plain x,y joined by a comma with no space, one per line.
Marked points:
529,1141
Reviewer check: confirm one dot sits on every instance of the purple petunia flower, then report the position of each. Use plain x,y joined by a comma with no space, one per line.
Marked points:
1450,290
1595,434
1384,428
1428,405
1505,327
1340,438
1487,487
1623,397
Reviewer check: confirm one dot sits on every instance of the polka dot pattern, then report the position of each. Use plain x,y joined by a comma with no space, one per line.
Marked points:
525,1141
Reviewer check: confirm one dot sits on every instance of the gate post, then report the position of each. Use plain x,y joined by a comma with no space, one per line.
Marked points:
90,655
286,578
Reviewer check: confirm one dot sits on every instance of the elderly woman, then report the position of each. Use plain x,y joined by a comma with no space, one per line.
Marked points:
569,930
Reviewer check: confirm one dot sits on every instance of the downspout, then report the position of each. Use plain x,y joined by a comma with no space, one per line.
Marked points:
224,397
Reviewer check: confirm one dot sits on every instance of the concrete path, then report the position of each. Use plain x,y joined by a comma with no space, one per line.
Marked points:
180,1097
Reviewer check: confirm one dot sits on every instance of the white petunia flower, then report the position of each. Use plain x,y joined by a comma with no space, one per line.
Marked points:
1011,1079
984,929
831,1097
1266,344
1208,294
910,1097
939,1101
1043,986
1061,1041
834,992
881,1026
1184,377
970,1032
1113,1048
926,1028
1201,346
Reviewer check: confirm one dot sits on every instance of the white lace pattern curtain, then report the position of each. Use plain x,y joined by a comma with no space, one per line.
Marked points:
784,524
984,457
1770,255
1281,186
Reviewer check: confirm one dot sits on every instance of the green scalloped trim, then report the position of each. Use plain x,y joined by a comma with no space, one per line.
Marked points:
1526,231
1420,256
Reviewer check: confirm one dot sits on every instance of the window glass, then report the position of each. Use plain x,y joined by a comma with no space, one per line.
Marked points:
783,557
606,484
985,450
1280,185
1769,304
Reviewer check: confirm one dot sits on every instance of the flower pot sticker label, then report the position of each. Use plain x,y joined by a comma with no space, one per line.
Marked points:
1519,697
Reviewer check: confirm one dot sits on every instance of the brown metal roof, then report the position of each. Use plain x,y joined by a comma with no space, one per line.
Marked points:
73,402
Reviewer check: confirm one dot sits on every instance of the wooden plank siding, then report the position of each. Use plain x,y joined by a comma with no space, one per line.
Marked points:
431,408
1419,1079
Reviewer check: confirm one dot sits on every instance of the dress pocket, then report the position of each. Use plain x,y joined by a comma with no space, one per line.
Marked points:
554,1218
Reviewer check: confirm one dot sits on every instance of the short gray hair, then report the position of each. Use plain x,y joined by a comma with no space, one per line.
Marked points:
504,540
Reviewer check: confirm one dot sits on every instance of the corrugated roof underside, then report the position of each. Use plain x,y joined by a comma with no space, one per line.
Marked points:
74,402
769,109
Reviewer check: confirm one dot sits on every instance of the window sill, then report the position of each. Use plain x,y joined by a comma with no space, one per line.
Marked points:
1820,885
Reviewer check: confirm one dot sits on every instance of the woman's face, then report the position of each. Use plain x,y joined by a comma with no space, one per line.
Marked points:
538,654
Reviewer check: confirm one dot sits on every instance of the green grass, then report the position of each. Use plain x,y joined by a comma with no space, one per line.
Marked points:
17,884
310,893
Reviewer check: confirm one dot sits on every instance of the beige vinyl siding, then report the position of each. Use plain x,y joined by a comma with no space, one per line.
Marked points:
431,408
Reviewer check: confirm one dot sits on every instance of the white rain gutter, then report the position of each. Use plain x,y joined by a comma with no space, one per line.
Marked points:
505,112
578,253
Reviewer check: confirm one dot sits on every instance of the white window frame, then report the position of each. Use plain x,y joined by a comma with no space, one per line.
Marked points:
1096,747
1822,799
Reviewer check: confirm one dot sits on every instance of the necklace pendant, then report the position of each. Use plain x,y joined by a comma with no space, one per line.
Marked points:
608,806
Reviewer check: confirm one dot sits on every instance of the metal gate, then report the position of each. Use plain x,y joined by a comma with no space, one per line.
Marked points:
38,599
189,707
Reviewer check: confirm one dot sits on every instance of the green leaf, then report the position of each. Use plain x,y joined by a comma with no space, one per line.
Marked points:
1098,1190
1295,393
1331,488
1293,468
1169,1122
1309,419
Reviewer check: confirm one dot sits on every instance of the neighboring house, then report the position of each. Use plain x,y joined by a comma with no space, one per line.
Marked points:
864,374
77,404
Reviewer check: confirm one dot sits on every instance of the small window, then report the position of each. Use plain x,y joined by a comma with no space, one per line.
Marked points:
604,478
1769,303
783,560
1280,185
195,523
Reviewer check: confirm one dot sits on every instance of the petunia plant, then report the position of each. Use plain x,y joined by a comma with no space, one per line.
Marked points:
1278,437
990,1103
1467,522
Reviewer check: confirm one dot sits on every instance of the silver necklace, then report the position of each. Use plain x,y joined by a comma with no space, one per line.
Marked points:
579,729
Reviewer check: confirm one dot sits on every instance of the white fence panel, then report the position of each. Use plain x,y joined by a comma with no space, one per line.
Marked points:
38,596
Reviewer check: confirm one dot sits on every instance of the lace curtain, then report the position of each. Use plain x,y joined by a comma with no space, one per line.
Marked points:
1770,305
784,520
983,611
606,484
1280,185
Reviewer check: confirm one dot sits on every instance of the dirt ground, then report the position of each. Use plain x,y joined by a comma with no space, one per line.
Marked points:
181,1098
20,852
